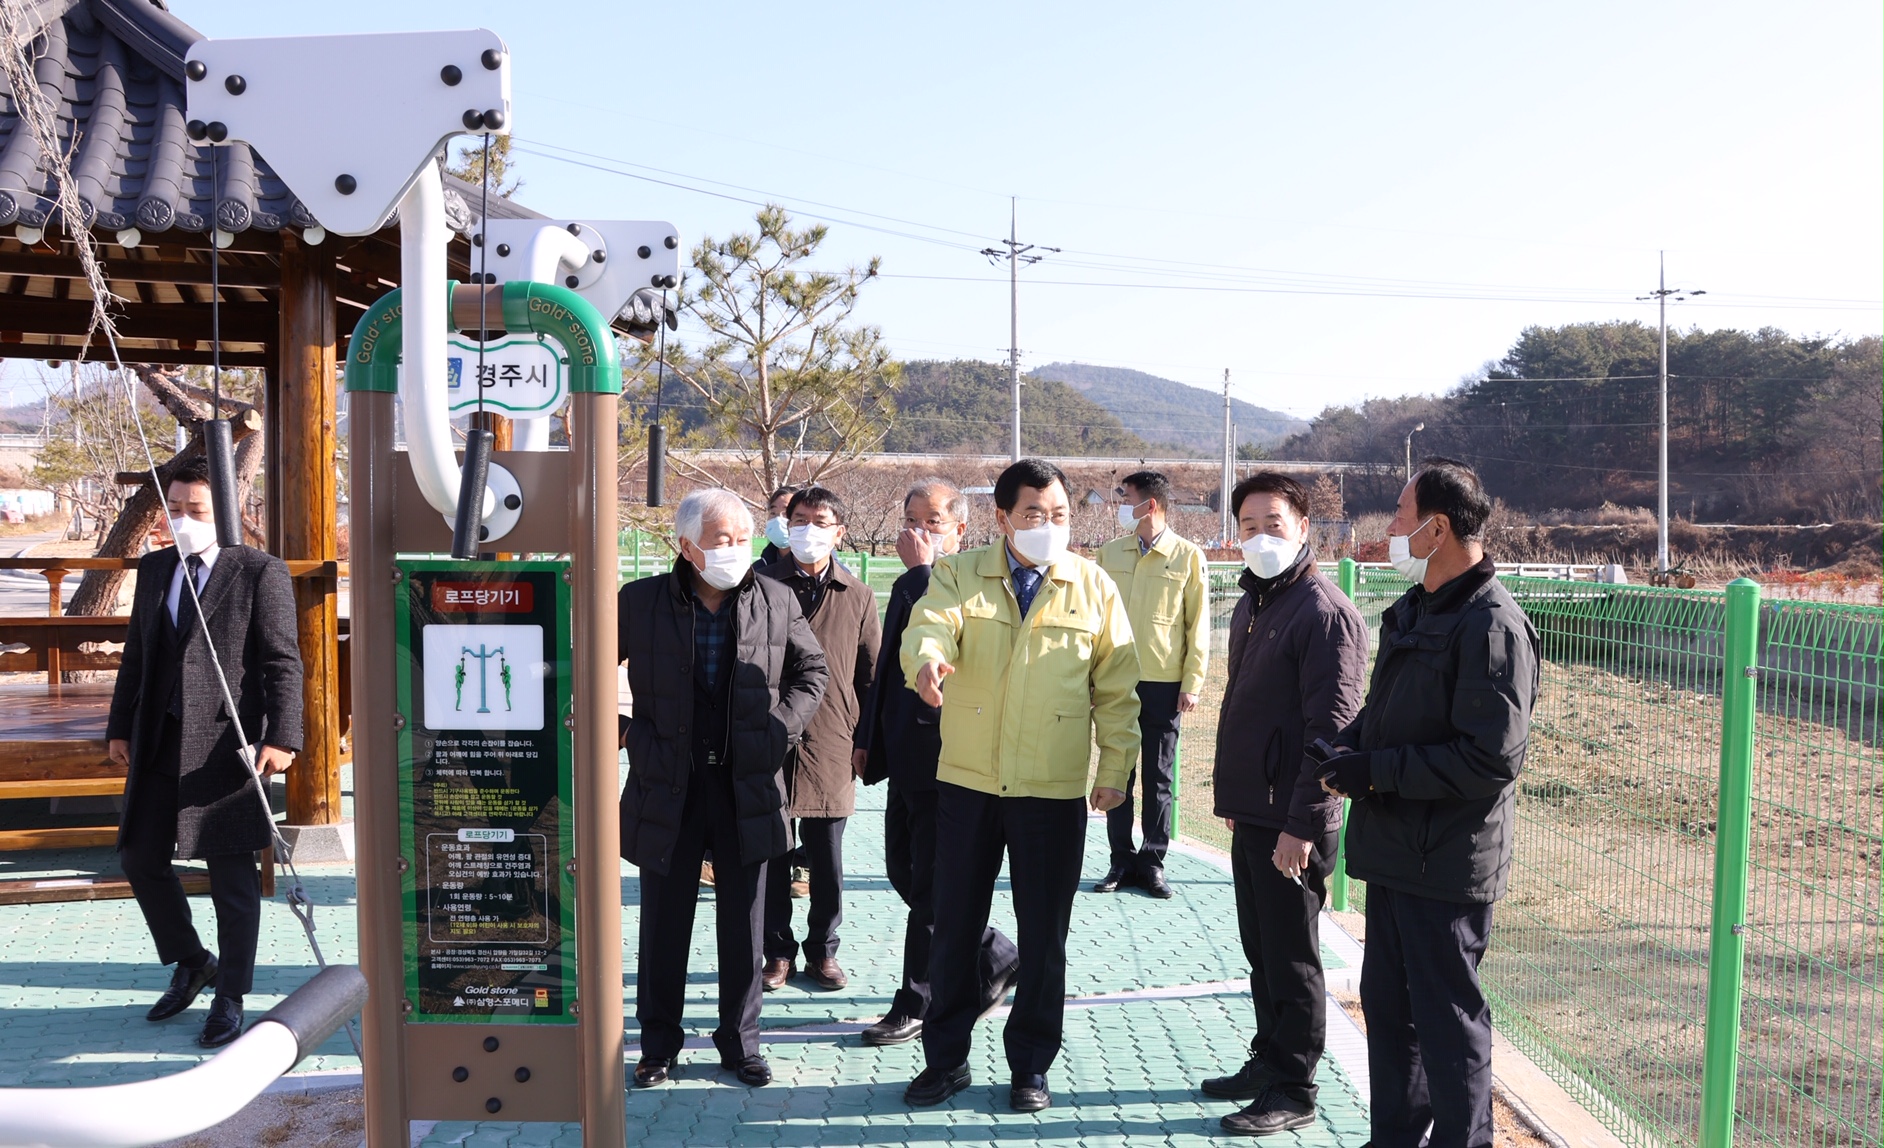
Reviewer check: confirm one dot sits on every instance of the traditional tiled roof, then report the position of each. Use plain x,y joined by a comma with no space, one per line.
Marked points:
116,68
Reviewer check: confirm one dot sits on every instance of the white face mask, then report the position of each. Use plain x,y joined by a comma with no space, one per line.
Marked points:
193,535
778,531
1268,556
812,544
1128,518
1043,545
726,566
1400,554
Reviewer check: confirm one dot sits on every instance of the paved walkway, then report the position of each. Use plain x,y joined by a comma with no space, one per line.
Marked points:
1158,1004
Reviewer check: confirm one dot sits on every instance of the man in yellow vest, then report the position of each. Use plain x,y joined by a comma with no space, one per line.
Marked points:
1166,588
1036,650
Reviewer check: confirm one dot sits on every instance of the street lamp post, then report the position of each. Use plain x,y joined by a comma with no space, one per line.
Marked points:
1417,427
1660,295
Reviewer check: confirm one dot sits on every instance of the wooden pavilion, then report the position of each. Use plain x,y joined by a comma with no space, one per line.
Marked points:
290,293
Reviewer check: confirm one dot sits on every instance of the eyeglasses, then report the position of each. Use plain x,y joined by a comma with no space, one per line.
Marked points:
1032,519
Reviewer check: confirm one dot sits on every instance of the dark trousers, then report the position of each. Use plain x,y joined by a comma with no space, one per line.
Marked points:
822,839
909,855
1044,840
1280,923
1158,726
1428,1025
235,886
667,907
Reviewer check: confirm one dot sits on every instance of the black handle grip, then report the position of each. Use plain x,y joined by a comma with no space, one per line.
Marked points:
468,527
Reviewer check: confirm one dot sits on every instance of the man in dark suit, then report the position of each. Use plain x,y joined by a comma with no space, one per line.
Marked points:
188,793
899,737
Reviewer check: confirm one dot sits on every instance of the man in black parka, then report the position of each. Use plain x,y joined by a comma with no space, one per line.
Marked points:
1438,748
900,739
1297,673
725,675
188,792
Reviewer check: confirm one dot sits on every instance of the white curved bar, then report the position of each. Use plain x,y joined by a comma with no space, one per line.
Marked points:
149,1111
552,250
423,234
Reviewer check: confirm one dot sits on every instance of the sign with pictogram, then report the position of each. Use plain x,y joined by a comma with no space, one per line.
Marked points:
483,668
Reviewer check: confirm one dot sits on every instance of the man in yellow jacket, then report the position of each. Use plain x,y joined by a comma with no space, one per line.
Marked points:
1166,588
1036,651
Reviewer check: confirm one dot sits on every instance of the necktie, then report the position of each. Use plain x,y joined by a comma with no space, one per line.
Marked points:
186,601
1026,584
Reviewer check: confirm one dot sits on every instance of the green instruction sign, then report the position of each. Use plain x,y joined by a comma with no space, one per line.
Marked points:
485,755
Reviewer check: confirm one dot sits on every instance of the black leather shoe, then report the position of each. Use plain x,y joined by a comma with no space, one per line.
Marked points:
224,1023
1029,1093
994,994
752,1071
652,1070
893,1029
1246,1083
1271,1113
1156,885
934,1085
185,986
1120,874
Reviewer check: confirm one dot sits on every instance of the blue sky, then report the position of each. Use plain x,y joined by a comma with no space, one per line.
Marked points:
1330,201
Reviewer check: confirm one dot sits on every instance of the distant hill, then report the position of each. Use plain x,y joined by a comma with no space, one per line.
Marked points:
966,406
1163,411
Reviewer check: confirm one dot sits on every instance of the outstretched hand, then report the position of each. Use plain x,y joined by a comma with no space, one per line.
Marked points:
929,681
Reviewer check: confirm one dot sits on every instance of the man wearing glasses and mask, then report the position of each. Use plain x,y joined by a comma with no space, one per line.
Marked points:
1167,595
900,739
1028,651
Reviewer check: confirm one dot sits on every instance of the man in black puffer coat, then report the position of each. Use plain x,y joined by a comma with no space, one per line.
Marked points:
1298,670
725,675
1440,744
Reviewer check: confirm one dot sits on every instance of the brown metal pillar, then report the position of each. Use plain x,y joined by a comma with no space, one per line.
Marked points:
376,764
303,409
592,530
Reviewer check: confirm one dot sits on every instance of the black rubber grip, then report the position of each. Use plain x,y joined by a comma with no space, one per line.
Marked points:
317,1009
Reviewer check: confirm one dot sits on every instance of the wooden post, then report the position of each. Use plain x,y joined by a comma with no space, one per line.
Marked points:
497,424
302,483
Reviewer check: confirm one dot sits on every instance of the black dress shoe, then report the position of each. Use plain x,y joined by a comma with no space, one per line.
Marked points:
934,1085
1246,1083
1029,1093
1272,1112
185,985
652,1070
1156,885
752,1071
994,993
893,1029
224,1023
1120,874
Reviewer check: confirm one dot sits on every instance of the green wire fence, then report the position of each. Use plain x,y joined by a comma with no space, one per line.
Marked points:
1691,939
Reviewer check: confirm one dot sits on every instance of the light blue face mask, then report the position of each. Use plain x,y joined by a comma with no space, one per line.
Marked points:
778,531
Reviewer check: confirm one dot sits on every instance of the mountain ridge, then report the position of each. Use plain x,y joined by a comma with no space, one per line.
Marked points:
1164,411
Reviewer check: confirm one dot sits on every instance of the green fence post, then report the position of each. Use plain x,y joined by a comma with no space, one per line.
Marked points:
637,554
864,562
1727,946
1347,577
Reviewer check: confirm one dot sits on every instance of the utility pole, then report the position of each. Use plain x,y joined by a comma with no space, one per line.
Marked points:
1660,295
1016,254
1418,427
1229,463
